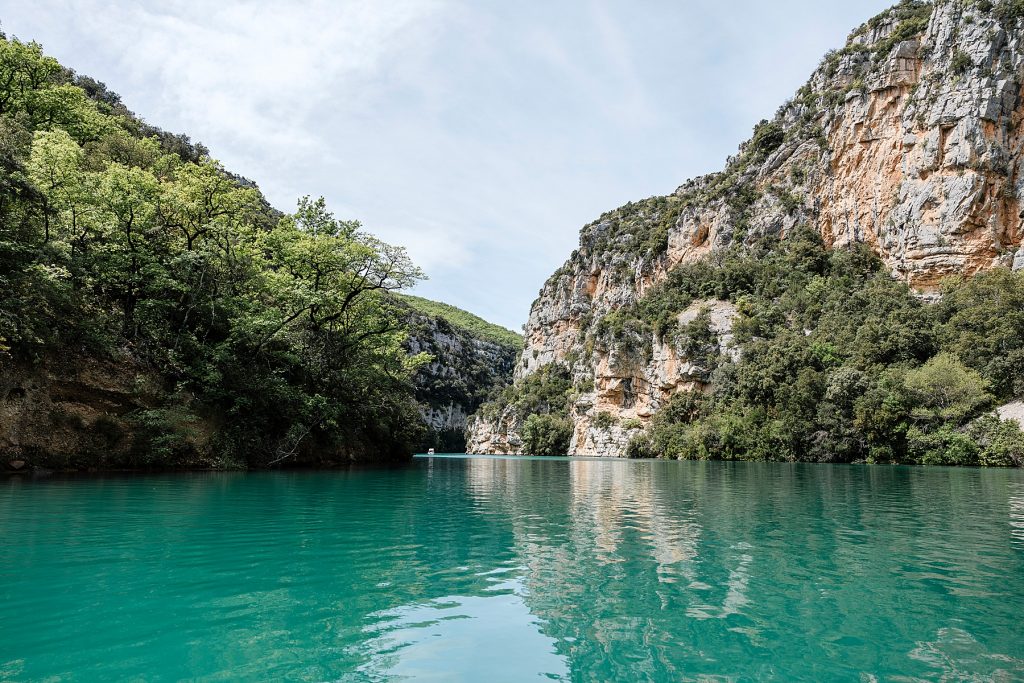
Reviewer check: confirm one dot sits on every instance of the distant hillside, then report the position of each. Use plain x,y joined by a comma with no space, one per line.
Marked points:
465,320
471,360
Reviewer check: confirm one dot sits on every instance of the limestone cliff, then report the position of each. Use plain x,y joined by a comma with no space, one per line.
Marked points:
466,366
907,139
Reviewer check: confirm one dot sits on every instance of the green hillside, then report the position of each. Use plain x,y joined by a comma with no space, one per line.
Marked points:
466,320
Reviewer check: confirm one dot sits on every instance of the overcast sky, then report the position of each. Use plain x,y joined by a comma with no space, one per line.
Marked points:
480,134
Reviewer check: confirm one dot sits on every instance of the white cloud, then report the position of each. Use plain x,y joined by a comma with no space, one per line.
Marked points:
248,76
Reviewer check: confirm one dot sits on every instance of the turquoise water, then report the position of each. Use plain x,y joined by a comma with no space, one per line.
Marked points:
491,569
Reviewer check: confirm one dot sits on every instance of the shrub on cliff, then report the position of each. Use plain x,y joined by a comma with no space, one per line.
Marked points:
541,392
1000,442
981,321
1008,11
546,434
944,390
839,362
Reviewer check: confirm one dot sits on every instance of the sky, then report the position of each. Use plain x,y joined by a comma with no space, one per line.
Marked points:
480,134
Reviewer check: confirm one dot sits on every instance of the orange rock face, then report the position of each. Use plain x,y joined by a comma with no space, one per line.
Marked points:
908,140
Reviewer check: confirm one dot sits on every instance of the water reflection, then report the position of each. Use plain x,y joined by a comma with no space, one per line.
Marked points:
956,655
463,638
1017,513
659,569
512,569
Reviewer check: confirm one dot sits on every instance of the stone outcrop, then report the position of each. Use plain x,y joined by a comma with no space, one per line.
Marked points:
500,434
1014,410
908,139
79,412
631,390
465,368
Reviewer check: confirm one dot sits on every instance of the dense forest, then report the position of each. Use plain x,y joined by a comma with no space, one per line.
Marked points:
831,360
121,241
838,362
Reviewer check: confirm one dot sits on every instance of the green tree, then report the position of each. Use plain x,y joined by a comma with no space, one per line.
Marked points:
200,199
981,321
546,434
24,71
1000,442
120,240
945,390
55,167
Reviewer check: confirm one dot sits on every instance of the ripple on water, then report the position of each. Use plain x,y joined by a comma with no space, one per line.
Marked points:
510,569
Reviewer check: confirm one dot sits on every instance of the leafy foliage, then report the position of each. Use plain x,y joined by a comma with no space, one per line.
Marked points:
980,321
961,62
911,17
541,400
546,434
768,137
541,392
838,362
118,240
1007,11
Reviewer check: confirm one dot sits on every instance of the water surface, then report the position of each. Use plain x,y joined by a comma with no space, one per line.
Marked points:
493,569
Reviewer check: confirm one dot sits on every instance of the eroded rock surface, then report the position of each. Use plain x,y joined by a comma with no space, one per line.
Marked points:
464,370
908,139
74,412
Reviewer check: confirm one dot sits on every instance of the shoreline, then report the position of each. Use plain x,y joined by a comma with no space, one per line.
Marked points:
42,473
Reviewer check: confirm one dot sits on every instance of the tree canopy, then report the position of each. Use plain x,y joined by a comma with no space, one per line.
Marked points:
120,240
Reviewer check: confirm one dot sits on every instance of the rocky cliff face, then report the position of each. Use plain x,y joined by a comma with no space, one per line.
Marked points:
464,369
77,412
907,139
